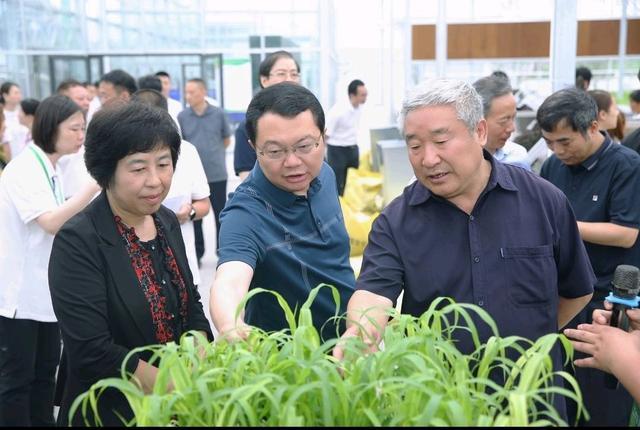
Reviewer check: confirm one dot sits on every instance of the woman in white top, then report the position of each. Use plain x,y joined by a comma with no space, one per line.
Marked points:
15,134
32,210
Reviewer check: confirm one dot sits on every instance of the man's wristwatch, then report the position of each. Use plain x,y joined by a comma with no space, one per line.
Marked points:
192,214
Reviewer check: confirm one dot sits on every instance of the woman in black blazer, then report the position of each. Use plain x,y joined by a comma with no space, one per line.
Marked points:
118,272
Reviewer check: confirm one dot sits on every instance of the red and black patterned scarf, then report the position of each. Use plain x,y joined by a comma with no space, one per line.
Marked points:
143,266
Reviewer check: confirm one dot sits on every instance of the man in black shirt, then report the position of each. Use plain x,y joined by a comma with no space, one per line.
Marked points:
602,182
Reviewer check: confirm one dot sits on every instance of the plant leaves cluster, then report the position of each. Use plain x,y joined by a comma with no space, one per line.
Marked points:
289,378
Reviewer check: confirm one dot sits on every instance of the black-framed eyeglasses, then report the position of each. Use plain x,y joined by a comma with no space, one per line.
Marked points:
276,152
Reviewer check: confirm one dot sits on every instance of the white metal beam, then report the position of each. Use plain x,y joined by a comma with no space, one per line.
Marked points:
564,44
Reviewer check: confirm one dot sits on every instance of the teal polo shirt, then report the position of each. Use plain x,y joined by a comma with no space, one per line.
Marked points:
293,243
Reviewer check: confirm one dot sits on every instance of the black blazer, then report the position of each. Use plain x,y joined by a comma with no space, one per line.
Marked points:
101,309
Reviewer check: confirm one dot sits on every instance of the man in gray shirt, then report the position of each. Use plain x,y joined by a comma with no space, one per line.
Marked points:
206,127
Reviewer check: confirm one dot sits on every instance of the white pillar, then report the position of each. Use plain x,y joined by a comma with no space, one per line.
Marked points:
408,59
622,47
441,39
327,52
564,44
23,39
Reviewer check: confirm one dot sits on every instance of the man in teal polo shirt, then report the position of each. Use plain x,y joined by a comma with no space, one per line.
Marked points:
283,228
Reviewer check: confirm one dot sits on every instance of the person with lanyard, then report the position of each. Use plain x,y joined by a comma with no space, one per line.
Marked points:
32,210
119,274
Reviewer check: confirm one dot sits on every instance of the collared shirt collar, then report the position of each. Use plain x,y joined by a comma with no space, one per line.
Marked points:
593,159
279,195
504,152
207,111
499,176
500,154
43,155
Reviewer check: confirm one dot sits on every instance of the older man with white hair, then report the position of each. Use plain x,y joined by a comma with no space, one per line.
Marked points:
470,228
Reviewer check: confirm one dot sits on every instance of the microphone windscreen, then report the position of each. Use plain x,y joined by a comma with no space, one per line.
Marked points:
626,278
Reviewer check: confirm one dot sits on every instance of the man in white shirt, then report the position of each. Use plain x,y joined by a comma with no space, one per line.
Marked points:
499,107
76,92
174,106
342,132
115,86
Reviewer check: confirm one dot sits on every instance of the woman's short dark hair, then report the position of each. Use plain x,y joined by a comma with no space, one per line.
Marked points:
5,88
46,121
270,60
285,99
124,129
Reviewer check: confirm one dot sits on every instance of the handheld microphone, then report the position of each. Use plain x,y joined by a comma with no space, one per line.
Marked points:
623,296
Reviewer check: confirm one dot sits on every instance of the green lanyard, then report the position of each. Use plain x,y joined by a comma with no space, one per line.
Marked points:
56,192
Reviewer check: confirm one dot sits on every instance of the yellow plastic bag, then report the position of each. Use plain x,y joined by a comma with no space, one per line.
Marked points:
363,191
358,226
365,162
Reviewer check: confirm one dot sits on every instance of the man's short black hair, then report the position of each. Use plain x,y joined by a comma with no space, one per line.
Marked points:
123,129
121,80
49,114
162,73
29,106
67,84
583,76
352,89
150,82
572,105
198,81
151,97
286,99
635,96
490,88
500,74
